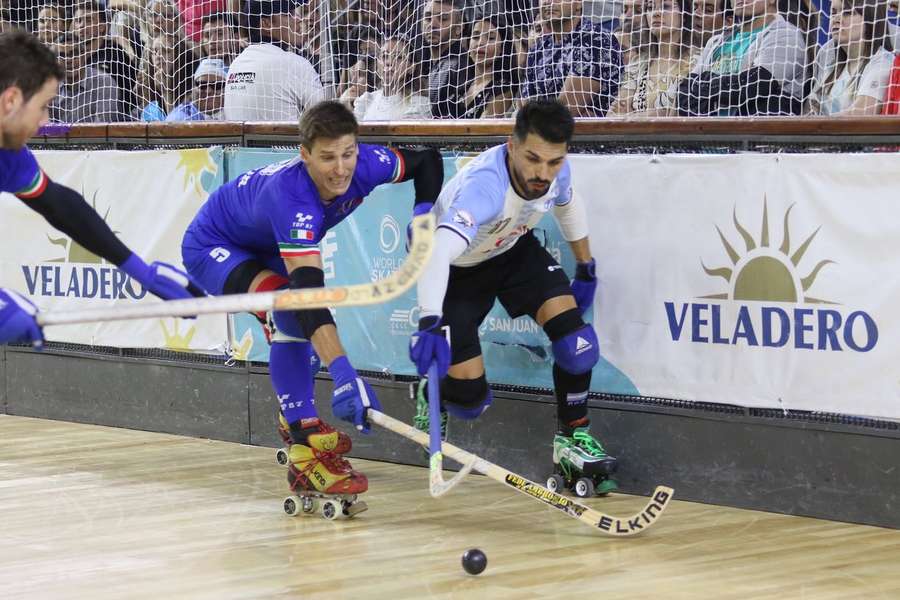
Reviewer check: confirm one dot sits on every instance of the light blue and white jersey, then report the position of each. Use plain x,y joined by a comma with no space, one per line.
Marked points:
480,205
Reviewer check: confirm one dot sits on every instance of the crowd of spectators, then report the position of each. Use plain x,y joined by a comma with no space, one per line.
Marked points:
267,60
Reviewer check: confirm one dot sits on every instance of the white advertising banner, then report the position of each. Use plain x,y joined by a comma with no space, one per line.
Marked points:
148,199
756,280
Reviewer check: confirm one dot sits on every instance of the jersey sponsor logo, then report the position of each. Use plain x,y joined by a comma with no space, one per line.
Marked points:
245,77
508,239
302,220
220,255
302,234
500,226
464,218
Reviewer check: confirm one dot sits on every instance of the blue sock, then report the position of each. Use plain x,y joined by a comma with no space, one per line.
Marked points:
293,378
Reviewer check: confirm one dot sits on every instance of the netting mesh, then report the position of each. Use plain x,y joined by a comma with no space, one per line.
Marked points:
266,60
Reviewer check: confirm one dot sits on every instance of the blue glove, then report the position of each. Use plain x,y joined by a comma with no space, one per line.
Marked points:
352,395
419,209
162,279
17,320
428,345
584,286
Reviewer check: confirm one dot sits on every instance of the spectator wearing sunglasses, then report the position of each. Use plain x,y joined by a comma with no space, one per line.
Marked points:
207,95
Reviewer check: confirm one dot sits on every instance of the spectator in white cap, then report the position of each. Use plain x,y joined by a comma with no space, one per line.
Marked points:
207,95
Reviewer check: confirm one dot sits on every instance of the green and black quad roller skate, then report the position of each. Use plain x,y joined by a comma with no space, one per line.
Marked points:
580,464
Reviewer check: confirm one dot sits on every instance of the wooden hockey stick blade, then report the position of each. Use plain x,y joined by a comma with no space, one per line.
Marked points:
360,294
437,485
607,524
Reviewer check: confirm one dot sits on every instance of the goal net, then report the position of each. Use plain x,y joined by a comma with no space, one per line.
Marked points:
267,60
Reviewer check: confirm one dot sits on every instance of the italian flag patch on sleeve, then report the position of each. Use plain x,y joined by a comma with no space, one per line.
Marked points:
35,188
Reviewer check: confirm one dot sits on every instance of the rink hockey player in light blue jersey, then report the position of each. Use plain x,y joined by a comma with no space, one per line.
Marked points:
485,250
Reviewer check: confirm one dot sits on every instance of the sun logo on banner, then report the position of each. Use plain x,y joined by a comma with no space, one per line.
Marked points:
74,252
199,166
174,339
764,273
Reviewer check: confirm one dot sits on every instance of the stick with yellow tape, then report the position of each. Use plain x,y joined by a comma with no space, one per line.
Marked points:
361,294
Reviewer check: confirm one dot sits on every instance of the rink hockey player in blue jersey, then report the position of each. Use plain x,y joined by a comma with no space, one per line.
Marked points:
485,250
29,80
261,232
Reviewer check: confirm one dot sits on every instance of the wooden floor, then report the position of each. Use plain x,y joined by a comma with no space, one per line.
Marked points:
94,512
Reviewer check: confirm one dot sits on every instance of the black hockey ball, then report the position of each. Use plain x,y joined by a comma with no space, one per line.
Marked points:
474,561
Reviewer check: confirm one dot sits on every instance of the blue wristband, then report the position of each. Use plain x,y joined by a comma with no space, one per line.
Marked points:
586,271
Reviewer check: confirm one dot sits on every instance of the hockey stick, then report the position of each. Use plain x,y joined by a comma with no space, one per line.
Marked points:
437,485
351,295
608,524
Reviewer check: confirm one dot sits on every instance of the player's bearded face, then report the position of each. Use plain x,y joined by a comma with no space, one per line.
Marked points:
20,120
331,163
534,163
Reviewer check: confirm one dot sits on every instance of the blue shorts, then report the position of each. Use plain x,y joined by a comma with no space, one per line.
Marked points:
209,259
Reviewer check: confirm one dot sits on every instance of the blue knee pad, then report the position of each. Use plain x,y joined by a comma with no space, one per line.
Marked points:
466,398
577,352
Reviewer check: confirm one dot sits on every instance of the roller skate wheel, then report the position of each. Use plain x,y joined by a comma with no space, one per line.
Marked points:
281,455
354,508
292,505
584,487
556,483
331,510
308,505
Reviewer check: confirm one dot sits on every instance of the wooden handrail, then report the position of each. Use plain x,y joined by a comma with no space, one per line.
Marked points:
434,131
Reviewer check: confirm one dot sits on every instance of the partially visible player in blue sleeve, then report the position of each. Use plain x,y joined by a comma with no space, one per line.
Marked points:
29,80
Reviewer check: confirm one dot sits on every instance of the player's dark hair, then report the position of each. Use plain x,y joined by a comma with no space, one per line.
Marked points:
26,63
549,119
326,120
